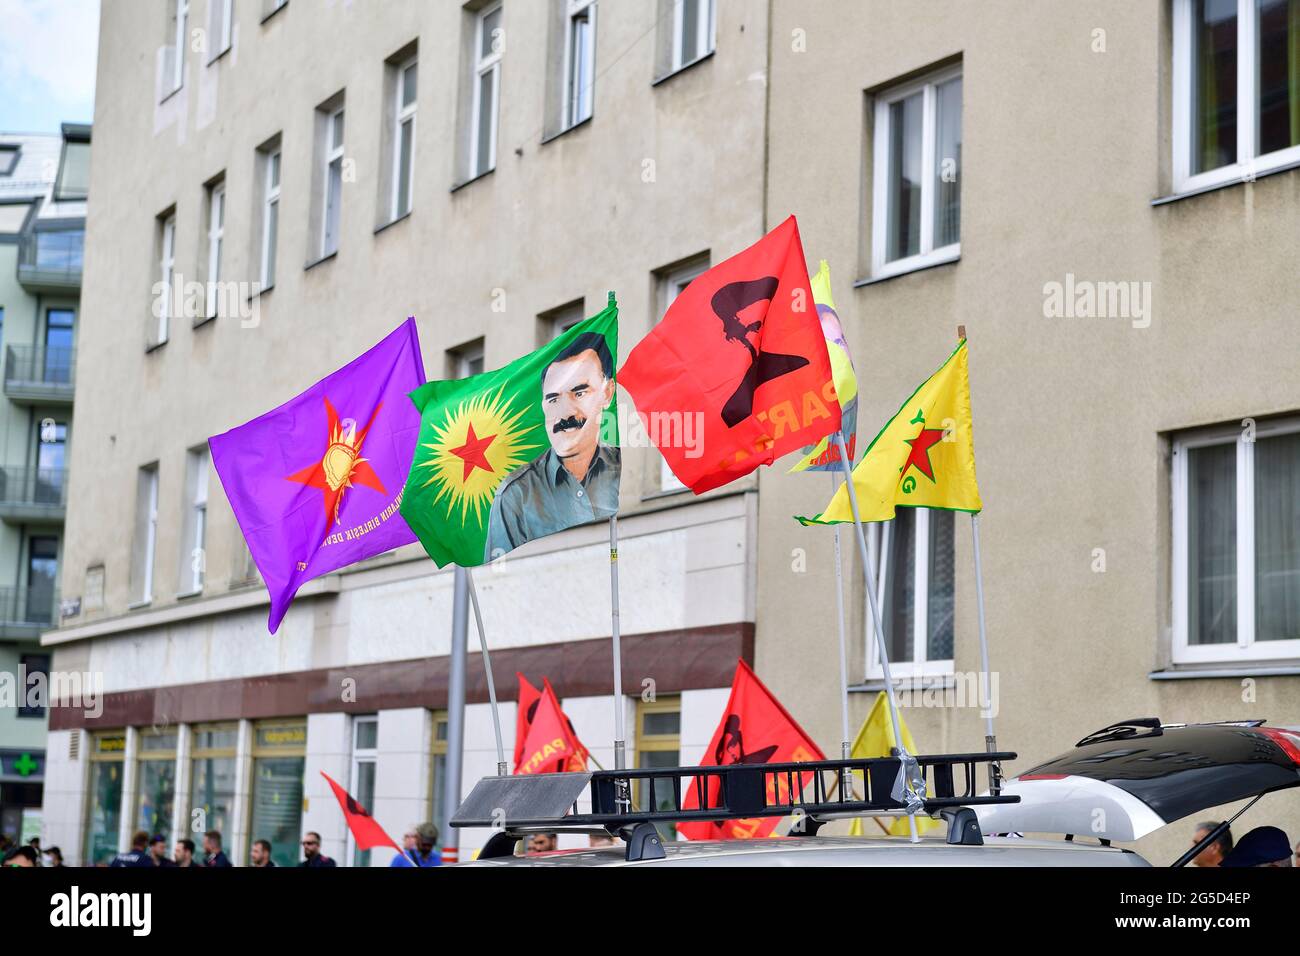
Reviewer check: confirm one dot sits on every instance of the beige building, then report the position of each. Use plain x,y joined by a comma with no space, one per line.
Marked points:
305,175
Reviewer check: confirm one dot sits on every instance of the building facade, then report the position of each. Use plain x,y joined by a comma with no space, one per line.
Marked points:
43,189
1091,193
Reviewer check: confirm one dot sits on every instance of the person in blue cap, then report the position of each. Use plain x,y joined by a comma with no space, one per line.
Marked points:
1262,846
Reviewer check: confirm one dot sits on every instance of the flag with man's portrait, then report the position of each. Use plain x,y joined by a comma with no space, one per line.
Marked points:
523,451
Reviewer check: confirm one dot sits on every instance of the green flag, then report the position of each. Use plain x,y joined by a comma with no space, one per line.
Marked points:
520,452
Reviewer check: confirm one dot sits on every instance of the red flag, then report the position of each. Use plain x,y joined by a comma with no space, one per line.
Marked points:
551,745
364,829
755,729
528,699
736,374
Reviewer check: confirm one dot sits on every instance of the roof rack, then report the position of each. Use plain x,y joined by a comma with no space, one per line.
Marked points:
807,790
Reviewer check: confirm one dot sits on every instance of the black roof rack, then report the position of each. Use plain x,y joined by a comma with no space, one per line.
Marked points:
545,802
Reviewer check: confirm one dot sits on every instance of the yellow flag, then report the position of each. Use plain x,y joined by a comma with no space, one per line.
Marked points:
875,738
924,457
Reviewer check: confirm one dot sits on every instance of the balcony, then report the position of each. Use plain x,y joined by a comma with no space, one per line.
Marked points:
26,612
40,375
32,494
50,260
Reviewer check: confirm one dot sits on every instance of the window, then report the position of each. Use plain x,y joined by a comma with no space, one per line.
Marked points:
164,296
32,664
486,80
216,215
332,200
194,521
212,774
672,282
104,803
42,578
156,781
180,13
693,31
658,744
916,191
51,453
270,227
579,60
465,361
365,750
221,13
59,338
1236,543
272,6
438,777
146,532
404,93
279,753
552,324
915,590
1236,89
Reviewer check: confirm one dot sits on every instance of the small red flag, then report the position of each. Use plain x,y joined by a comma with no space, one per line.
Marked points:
364,829
551,745
755,729
529,696
736,374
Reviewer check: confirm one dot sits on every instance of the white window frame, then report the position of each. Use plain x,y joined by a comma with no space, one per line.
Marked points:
402,114
150,538
182,31
579,75
1184,28
674,283
167,272
484,64
706,26
466,356
1246,647
216,236
196,517
224,10
360,755
926,255
333,154
270,205
919,666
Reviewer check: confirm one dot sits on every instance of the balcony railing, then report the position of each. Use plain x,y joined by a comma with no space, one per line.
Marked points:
52,259
36,606
39,372
28,487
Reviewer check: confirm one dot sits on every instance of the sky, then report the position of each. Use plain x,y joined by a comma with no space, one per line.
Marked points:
47,63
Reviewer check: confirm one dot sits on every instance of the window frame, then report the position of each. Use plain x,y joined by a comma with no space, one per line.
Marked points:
197,754
673,283
256,751
484,64
224,10
574,94
270,202
401,114
437,749
644,743
1246,649
706,26
920,666
1184,181
143,756
166,273
182,16
360,755
216,241
881,175
99,755
195,519
146,594
332,154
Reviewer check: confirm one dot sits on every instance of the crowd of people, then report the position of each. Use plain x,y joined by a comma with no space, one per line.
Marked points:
419,849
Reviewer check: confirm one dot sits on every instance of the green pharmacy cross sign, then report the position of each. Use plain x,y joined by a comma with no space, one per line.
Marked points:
24,765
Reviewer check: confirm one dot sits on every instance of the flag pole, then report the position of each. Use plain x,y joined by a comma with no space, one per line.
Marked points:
869,575
990,738
455,714
502,768
623,796
845,746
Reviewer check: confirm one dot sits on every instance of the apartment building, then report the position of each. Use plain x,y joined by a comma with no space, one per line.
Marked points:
1104,196
43,188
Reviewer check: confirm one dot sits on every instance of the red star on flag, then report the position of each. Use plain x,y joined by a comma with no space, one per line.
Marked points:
920,456
474,452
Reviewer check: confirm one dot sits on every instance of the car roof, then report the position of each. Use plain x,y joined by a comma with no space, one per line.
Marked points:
838,851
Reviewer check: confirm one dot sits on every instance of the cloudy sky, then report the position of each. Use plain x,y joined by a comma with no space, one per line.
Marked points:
47,63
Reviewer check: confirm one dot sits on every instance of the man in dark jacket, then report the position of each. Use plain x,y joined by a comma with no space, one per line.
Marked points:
212,850
138,855
311,849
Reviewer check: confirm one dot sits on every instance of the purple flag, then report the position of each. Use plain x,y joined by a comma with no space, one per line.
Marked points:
316,483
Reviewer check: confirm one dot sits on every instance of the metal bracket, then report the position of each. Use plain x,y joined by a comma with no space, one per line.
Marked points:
963,826
643,843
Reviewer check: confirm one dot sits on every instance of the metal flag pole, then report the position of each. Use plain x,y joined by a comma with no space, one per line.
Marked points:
620,752
990,738
503,769
869,577
845,746
455,713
